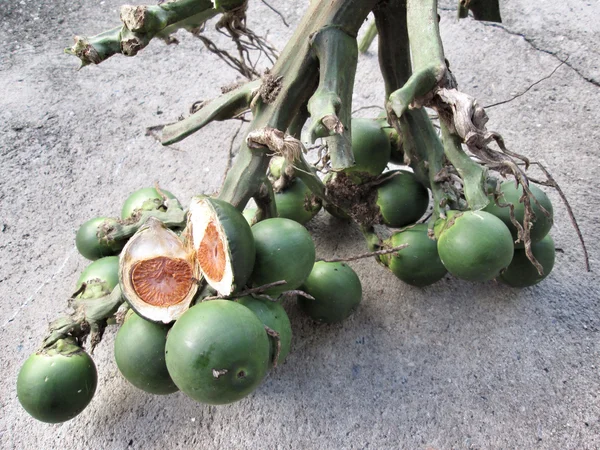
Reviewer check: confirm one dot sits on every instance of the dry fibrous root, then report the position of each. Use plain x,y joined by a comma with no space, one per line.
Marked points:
233,25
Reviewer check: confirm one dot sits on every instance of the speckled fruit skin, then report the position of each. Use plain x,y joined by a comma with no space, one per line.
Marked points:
137,199
541,225
217,352
55,388
103,273
291,203
370,146
336,289
402,200
419,264
140,355
284,251
475,245
274,316
88,244
521,273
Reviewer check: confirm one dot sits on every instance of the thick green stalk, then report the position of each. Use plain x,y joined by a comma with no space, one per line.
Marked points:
295,127
331,105
394,47
419,139
115,231
151,19
474,176
429,65
425,151
431,73
368,38
141,24
298,70
224,107
265,200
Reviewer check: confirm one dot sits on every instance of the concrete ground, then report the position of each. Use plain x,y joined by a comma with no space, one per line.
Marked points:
455,365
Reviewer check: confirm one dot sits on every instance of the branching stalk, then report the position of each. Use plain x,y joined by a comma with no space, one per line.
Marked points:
331,105
141,24
420,142
225,107
297,70
368,38
90,316
429,64
265,200
112,230
474,175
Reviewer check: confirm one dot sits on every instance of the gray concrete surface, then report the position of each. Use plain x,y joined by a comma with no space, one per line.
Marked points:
456,365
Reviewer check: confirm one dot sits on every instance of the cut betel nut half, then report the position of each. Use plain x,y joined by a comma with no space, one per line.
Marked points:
223,243
158,273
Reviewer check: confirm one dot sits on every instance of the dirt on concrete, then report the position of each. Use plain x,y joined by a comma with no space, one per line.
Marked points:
455,365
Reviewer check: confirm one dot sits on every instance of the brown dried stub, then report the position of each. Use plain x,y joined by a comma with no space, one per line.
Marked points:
211,253
162,281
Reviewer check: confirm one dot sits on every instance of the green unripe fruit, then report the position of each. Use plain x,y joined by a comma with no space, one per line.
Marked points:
273,316
336,289
474,245
90,246
146,199
370,146
522,273
510,194
296,202
140,355
284,251
402,200
57,384
418,264
100,277
217,352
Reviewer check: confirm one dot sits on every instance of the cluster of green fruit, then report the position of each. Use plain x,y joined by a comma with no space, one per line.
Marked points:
215,350
205,290
471,245
477,245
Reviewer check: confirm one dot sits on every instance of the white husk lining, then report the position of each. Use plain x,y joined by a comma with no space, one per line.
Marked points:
201,213
136,249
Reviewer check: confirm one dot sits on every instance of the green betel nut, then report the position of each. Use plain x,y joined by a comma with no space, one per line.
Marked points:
217,352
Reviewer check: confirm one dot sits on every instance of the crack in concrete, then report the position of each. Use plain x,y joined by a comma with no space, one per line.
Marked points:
532,44
539,49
